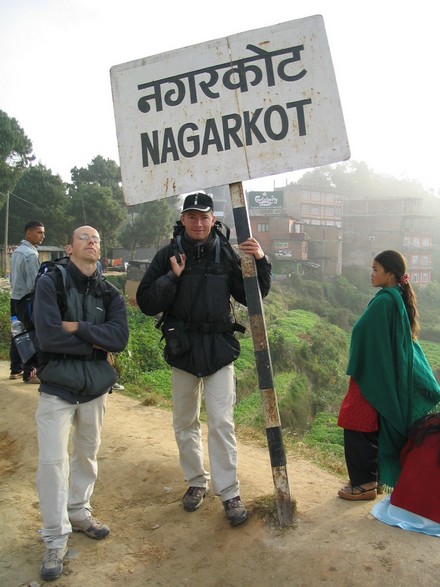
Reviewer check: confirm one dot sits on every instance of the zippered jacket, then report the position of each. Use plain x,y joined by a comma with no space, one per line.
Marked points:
102,327
197,304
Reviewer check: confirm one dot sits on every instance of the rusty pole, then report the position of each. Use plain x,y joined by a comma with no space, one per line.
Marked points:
262,359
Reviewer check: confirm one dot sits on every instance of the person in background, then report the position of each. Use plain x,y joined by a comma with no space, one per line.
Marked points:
76,376
24,268
415,502
193,288
391,383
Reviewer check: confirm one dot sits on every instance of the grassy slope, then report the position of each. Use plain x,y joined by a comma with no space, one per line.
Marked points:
308,354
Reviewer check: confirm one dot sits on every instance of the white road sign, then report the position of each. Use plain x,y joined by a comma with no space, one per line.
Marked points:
250,105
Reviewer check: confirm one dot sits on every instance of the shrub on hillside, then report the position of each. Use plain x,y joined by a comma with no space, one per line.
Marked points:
5,324
144,352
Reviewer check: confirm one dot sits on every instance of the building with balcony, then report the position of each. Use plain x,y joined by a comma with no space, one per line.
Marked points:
373,225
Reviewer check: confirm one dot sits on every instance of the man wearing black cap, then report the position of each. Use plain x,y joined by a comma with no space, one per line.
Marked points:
191,281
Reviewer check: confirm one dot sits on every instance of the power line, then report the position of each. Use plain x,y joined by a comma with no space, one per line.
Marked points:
19,198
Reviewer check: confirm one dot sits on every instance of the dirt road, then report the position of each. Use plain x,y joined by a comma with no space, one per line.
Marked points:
153,542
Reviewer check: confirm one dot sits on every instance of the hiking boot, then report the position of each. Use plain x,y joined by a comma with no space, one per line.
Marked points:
92,528
235,509
52,565
118,387
16,375
193,498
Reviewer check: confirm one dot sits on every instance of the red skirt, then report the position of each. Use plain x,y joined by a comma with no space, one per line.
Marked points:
356,413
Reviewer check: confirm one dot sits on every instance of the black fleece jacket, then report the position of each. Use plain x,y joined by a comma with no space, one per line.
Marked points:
112,335
201,295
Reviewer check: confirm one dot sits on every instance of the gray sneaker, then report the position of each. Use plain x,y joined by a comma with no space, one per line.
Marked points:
52,565
92,528
235,509
193,498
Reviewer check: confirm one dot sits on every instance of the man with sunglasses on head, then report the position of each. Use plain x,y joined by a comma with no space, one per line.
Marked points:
76,342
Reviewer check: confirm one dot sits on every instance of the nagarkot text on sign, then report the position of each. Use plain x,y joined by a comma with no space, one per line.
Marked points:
191,139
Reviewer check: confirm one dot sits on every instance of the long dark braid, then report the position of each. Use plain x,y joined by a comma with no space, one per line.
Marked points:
395,263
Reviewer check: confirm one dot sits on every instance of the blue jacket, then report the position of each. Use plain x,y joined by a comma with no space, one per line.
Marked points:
24,269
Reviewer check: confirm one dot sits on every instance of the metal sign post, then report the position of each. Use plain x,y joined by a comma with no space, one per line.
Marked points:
262,359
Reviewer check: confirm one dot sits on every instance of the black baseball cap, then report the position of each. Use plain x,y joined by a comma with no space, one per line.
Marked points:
198,201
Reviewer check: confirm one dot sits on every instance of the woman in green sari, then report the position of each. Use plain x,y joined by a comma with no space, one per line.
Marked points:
391,382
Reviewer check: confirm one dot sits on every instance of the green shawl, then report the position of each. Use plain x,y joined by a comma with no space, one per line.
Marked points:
393,375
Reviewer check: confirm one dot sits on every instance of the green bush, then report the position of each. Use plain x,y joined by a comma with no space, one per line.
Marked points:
117,280
144,352
294,402
325,434
249,412
5,324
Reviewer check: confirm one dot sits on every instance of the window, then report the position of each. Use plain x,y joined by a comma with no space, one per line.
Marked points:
305,210
426,242
424,260
329,212
316,196
425,277
416,241
415,278
415,259
262,228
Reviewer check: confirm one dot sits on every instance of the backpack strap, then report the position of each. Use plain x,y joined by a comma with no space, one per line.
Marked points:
176,241
106,289
59,275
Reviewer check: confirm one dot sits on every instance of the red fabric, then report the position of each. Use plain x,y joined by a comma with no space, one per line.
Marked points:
355,412
418,487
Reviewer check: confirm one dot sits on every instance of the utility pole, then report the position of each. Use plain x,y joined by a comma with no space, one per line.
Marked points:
5,259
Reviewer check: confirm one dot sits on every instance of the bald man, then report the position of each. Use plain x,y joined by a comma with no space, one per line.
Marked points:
76,376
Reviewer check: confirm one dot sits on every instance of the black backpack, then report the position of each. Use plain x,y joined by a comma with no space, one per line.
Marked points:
23,306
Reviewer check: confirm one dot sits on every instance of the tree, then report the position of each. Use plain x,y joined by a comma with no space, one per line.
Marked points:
96,199
147,224
104,172
38,195
96,206
15,152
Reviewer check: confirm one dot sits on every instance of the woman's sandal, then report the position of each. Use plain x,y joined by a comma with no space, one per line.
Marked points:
357,493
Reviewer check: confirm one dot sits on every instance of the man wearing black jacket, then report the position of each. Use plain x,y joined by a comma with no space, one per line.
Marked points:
75,376
191,282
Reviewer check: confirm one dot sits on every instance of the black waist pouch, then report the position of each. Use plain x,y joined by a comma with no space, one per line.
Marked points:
177,341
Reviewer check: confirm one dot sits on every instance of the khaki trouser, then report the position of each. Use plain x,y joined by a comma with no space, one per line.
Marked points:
219,390
64,487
